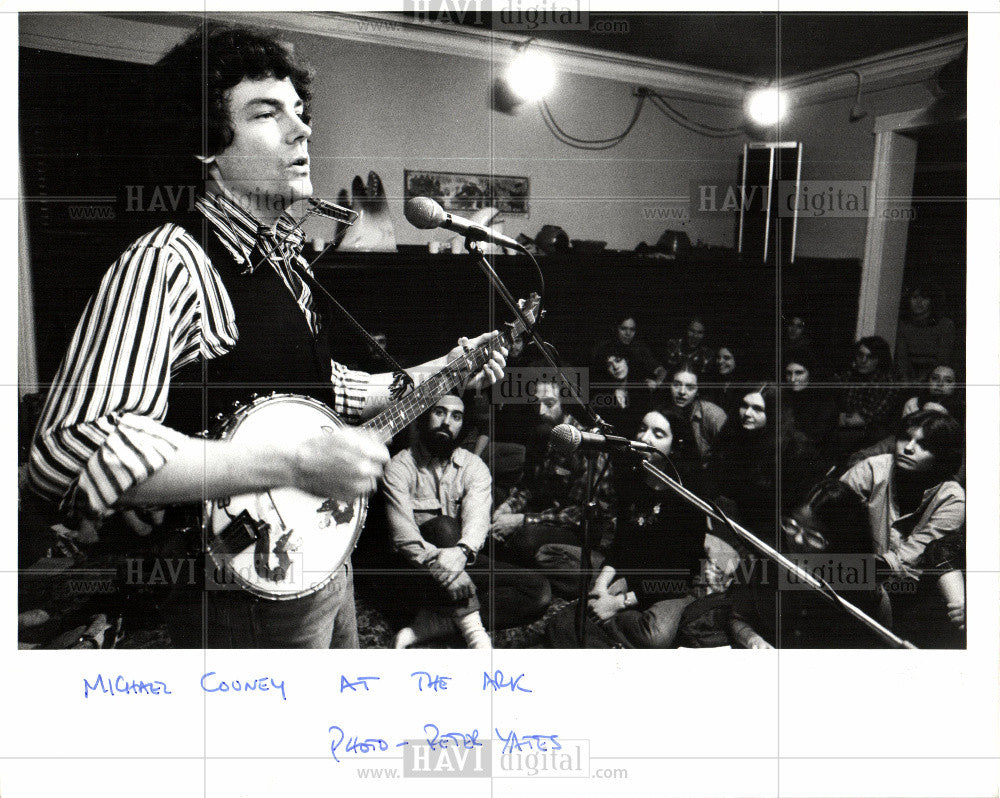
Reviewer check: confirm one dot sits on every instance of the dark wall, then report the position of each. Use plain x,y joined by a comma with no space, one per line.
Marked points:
83,150
423,302
84,140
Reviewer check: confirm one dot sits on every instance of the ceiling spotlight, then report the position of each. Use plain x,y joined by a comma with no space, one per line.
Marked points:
531,75
767,106
528,78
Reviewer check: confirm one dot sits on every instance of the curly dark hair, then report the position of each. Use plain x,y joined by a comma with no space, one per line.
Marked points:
840,515
192,79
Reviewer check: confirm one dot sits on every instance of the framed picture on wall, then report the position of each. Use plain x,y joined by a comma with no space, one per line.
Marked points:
464,193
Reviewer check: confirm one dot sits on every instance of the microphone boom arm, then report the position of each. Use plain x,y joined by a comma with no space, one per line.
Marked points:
818,585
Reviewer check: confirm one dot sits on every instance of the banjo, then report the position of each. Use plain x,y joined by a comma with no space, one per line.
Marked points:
284,543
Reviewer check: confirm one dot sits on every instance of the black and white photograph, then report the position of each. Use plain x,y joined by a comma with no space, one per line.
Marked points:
297,368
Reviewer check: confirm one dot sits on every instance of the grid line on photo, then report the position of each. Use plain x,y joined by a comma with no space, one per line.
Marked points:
544,198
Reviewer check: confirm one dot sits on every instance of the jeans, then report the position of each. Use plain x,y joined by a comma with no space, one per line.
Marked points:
560,562
523,544
506,595
237,619
655,627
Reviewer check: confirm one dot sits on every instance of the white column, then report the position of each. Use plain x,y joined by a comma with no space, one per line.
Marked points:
885,244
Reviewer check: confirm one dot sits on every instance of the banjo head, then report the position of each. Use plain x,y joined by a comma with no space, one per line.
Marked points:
284,543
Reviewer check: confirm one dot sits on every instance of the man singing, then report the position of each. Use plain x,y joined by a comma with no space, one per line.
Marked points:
205,311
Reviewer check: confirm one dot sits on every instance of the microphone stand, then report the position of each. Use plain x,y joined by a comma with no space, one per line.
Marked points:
595,421
508,298
586,566
816,584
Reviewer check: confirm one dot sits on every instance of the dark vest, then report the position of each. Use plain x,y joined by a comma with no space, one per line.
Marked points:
275,349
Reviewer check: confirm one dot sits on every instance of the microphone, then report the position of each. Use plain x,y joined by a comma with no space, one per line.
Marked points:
566,439
425,214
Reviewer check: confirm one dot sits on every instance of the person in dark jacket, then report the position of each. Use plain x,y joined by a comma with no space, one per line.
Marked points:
744,464
648,571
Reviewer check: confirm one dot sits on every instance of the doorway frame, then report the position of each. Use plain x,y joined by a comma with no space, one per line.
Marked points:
882,267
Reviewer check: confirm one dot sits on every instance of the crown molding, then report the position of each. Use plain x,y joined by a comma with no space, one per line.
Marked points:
394,30
143,37
897,67
130,37
98,36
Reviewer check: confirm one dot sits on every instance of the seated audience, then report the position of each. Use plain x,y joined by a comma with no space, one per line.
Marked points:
867,403
625,348
941,393
939,396
924,338
690,348
547,505
648,570
727,386
809,409
438,501
911,496
706,418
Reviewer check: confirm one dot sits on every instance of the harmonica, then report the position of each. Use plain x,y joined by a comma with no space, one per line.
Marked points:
331,210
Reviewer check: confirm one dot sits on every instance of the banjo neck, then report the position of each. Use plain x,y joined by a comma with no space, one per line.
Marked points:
406,410
410,407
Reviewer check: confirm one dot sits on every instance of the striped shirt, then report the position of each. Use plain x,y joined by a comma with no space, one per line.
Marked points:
161,306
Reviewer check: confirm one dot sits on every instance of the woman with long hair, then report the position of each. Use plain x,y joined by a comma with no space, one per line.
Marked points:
807,408
867,403
647,571
726,379
744,464
924,337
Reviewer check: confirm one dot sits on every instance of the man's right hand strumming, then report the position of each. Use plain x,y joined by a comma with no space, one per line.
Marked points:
343,464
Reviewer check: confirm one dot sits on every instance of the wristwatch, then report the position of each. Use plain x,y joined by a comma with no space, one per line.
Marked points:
470,555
